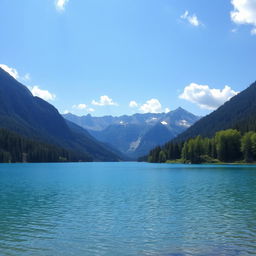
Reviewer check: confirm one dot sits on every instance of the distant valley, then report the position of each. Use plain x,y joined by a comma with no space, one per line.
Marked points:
33,130
135,135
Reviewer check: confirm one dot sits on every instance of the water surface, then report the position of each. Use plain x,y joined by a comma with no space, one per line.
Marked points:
127,209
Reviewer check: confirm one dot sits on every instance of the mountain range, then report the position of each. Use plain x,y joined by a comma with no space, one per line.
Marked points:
31,121
135,135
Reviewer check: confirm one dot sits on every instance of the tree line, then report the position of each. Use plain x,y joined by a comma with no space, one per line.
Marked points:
225,146
15,148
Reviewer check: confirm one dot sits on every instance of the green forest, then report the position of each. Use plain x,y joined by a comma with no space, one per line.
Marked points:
227,146
15,148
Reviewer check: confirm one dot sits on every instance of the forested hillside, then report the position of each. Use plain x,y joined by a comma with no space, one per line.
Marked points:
238,113
225,146
15,148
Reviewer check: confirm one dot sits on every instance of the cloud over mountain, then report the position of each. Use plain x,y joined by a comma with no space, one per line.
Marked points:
11,71
104,101
133,104
206,97
151,106
44,94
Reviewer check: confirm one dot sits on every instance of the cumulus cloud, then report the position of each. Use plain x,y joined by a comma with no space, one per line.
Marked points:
244,13
151,106
83,106
15,74
91,110
104,101
192,19
80,106
206,97
167,110
43,94
35,90
61,4
12,71
133,104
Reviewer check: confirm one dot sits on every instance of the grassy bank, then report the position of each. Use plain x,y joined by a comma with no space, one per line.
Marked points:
215,161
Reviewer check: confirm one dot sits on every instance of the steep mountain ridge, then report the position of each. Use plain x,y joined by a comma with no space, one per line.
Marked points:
239,113
35,118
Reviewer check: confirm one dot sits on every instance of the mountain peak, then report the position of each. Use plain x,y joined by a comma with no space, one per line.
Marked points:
238,113
179,109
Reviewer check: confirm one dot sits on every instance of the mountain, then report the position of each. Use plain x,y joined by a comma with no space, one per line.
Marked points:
168,127
17,148
92,123
35,118
135,135
239,113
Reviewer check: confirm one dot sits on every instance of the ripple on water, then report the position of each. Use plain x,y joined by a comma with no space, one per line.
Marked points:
127,209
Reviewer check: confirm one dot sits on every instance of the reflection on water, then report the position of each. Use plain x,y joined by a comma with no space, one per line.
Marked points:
127,209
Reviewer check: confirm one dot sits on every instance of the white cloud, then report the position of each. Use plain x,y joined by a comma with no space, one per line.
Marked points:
60,4
206,97
35,90
133,104
192,19
15,74
167,110
44,94
80,106
91,110
65,112
83,107
12,71
104,101
244,13
151,106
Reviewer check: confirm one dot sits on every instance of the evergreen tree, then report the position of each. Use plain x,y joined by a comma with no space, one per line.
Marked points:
246,146
228,145
162,157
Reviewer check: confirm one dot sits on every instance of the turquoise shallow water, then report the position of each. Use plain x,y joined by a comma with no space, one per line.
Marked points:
127,209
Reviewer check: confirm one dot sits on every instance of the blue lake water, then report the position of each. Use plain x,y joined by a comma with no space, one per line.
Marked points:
127,209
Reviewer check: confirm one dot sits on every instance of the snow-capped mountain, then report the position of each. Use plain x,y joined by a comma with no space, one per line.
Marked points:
135,135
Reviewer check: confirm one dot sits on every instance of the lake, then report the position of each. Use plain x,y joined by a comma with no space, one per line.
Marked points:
127,209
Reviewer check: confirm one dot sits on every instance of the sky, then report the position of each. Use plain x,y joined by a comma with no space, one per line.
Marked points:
115,57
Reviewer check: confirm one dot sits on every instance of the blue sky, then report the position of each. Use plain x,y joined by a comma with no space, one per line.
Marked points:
99,57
